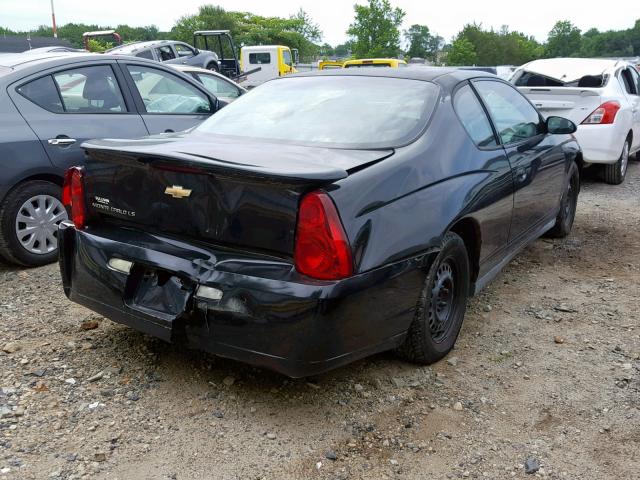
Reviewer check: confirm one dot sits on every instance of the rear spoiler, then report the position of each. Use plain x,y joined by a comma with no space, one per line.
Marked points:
284,163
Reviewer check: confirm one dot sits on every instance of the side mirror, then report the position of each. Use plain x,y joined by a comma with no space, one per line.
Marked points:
196,51
560,126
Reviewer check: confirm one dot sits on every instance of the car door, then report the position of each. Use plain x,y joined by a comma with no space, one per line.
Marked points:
219,86
185,55
497,195
537,162
167,102
66,106
632,90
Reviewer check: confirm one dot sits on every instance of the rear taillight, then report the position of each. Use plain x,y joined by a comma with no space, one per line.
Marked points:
322,250
604,114
73,196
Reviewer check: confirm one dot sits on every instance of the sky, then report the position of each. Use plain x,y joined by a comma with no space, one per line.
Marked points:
333,16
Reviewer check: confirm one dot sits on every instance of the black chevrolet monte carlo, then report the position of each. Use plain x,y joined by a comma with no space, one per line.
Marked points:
320,218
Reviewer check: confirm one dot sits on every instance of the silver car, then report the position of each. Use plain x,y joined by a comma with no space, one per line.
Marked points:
170,51
222,87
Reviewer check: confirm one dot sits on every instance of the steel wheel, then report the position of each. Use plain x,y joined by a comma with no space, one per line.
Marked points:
37,224
442,301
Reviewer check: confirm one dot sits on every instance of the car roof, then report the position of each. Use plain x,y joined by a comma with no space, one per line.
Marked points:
412,72
136,46
27,63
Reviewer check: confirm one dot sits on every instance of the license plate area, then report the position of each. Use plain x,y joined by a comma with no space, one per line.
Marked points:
157,292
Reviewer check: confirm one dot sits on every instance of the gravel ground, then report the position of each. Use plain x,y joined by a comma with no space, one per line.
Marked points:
545,379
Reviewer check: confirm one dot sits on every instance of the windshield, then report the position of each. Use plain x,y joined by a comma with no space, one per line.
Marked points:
346,111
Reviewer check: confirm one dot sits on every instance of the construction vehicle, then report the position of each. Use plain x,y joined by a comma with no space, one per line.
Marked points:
221,43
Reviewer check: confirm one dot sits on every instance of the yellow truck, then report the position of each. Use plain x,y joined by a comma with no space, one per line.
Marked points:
375,62
273,60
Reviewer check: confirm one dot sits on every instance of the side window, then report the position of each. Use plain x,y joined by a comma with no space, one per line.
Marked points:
183,50
627,80
43,92
286,56
473,117
90,90
165,53
145,54
218,86
259,58
514,117
636,78
163,92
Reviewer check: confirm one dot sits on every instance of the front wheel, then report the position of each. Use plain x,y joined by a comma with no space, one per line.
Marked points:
29,219
441,305
614,174
213,66
568,205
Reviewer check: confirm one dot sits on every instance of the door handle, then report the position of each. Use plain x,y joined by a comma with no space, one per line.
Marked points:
61,141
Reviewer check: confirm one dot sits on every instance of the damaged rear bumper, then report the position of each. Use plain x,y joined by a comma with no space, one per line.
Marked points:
266,313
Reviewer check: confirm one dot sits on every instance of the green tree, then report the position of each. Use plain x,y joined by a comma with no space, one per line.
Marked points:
564,40
375,29
462,52
422,43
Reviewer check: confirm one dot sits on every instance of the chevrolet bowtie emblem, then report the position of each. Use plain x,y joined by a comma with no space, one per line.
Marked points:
177,191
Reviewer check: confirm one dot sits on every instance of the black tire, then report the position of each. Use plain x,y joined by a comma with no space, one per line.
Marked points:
430,336
615,173
568,205
10,247
213,66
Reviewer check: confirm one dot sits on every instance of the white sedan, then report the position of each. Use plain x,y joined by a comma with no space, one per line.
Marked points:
222,87
601,96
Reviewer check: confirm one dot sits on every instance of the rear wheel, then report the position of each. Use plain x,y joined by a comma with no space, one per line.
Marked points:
441,305
568,205
213,66
614,174
29,219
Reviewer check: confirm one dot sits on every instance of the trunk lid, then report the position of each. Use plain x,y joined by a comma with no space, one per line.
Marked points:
574,103
222,191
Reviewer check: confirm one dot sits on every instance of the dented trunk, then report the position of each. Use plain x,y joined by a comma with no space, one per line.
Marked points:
211,193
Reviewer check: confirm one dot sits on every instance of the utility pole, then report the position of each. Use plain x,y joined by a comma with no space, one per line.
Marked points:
53,17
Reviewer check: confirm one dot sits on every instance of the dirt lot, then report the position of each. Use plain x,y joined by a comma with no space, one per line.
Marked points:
546,371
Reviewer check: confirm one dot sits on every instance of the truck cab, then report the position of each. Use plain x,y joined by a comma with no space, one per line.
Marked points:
273,61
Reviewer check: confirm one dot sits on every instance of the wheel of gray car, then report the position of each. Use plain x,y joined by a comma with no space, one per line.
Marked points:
441,305
614,173
213,66
29,219
568,205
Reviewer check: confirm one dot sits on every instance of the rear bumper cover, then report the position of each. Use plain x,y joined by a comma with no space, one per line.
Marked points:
268,314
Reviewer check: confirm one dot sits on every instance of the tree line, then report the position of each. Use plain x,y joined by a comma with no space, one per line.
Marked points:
376,32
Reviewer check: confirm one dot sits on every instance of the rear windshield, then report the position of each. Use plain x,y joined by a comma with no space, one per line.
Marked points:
531,79
344,111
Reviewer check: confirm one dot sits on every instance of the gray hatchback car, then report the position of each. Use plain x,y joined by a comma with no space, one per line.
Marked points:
170,51
49,104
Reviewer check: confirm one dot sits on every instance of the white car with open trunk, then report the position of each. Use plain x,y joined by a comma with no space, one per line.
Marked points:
601,96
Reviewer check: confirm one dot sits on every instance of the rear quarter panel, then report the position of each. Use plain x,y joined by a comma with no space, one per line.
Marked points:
403,205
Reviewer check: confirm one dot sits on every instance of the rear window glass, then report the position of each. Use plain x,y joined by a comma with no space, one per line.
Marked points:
260,58
349,111
145,54
530,79
43,92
